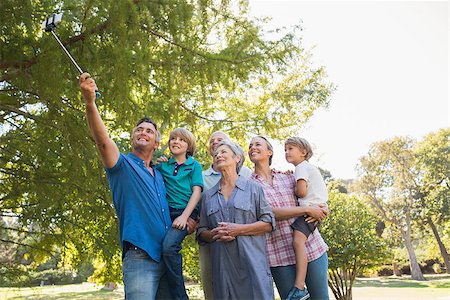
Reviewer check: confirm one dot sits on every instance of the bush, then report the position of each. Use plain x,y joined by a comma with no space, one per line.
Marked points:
386,271
13,275
53,276
191,265
437,268
21,278
354,246
84,272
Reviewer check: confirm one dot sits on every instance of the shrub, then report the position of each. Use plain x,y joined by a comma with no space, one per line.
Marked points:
437,268
191,260
53,276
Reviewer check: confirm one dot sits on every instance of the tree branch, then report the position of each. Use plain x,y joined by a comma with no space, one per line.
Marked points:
51,252
187,108
207,57
28,63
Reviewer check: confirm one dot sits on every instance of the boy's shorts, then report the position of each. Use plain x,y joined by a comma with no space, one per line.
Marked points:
304,227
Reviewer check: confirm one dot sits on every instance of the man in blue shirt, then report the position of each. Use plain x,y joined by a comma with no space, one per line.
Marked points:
139,198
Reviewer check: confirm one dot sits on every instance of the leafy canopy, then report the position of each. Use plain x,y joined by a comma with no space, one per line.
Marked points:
203,65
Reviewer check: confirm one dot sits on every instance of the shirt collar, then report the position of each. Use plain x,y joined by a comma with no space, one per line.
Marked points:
189,161
241,183
211,171
138,160
260,178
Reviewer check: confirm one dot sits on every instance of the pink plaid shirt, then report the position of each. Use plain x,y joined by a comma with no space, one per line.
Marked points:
279,242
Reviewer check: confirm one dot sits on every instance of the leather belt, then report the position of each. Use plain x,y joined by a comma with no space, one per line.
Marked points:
129,246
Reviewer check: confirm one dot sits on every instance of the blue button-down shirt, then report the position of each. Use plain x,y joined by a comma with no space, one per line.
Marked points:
211,177
140,202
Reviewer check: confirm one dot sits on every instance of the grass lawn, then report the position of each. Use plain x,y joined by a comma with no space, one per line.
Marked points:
437,287
54,292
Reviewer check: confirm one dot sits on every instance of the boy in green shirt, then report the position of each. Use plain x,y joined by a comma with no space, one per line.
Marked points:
183,181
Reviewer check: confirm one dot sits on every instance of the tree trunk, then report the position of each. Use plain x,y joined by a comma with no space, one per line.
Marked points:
395,269
340,282
442,248
416,273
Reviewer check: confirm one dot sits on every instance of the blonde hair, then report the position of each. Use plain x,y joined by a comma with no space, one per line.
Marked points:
185,135
300,143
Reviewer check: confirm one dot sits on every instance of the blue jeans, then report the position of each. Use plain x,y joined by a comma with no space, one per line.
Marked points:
143,277
316,278
172,257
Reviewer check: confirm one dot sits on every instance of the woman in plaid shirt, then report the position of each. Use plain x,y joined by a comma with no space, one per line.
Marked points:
279,191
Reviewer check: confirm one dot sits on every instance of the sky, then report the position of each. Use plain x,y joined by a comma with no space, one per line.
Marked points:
389,62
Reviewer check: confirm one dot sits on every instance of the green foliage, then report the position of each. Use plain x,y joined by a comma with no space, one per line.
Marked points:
191,260
35,278
407,184
202,65
388,180
433,159
107,269
353,243
437,268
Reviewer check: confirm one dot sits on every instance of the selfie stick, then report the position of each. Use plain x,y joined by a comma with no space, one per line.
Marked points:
49,25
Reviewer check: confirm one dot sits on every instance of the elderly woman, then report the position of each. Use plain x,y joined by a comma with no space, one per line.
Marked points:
234,217
279,191
211,177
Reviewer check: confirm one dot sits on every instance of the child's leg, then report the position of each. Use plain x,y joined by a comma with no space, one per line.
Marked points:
172,257
300,236
173,260
301,261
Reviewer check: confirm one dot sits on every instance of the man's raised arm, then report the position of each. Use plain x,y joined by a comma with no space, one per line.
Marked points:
108,149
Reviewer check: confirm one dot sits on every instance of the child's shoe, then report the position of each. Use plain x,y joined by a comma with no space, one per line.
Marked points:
298,294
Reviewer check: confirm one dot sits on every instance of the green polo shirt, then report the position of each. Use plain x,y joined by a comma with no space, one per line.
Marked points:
179,184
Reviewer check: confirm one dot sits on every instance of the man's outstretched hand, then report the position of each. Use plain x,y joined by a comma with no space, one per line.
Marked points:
88,88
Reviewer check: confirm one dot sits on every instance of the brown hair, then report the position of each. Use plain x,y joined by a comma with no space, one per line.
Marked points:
148,120
302,144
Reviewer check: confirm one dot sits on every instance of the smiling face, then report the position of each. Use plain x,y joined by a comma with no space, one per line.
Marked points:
258,150
181,141
144,137
178,145
225,158
214,140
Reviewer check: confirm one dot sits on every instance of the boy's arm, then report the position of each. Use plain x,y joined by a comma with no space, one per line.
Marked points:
106,146
325,209
301,188
180,222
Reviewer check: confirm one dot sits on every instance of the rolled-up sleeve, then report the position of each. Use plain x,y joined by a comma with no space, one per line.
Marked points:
203,224
263,210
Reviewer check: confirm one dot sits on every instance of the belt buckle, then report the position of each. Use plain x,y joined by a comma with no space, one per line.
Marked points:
130,246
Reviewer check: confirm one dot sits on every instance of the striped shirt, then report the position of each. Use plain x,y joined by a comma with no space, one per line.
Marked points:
279,242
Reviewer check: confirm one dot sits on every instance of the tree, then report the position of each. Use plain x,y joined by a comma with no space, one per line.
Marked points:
203,65
433,160
388,180
353,243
